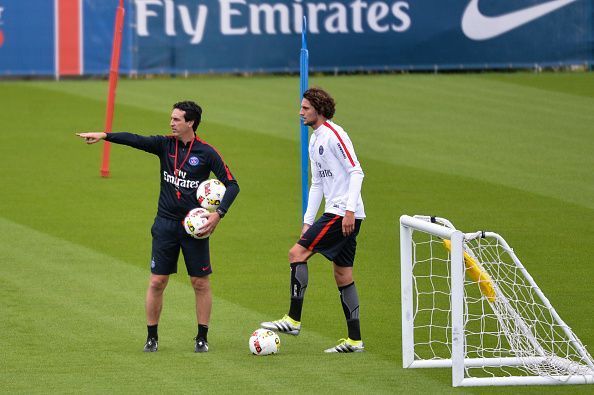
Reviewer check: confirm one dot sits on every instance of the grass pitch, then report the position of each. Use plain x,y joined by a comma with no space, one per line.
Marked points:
512,153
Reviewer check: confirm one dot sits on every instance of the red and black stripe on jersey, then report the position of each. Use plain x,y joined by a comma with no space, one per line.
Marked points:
195,161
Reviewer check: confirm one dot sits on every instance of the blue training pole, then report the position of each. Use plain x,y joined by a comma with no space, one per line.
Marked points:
303,77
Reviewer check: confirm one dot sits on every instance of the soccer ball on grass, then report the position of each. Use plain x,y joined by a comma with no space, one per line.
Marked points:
264,342
210,193
194,221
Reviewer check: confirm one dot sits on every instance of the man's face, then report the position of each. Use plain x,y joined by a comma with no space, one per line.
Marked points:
178,123
308,114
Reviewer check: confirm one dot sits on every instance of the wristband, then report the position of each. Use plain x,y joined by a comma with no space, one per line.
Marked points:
221,212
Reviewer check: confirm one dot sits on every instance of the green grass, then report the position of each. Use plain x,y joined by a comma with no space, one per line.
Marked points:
512,153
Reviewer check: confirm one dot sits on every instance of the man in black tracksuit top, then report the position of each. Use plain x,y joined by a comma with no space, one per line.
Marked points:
186,161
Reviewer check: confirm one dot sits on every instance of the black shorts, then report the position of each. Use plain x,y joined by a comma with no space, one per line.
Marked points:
169,236
325,237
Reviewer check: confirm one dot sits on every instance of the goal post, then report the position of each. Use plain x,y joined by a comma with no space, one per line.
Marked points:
469,304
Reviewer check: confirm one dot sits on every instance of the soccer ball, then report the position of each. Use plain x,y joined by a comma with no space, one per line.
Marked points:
194,221
210,193
264,342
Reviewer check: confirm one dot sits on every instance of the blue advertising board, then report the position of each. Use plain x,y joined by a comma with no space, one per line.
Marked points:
204,36
239,35
26,38
98,27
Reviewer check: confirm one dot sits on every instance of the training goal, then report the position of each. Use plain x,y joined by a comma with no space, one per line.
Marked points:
469,304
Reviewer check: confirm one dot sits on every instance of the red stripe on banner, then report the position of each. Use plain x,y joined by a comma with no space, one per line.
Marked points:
322,233
341,142
69,37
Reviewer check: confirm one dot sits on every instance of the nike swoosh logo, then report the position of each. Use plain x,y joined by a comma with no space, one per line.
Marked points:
478,26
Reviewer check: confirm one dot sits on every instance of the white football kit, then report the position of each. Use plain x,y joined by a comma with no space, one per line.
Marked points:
336,173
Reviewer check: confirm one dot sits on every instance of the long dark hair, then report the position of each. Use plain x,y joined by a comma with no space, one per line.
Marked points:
321,101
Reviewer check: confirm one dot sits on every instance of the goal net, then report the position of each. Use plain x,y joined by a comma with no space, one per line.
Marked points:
468,303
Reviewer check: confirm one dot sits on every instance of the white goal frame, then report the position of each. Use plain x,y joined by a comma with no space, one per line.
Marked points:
457,360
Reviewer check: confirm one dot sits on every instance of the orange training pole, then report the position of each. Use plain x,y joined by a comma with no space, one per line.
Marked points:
113,82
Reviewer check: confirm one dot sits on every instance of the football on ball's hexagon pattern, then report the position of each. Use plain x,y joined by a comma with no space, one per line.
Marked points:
210,193
194,221
264,342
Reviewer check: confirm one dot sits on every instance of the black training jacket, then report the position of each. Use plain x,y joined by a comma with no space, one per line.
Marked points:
192,161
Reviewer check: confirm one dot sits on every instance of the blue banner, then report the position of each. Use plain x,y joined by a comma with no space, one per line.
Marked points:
220,36
26,38
98,29
255,35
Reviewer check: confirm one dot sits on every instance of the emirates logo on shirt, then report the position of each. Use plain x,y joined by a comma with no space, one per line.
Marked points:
325,173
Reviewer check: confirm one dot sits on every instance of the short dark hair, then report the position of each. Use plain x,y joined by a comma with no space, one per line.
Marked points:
321,101
193,112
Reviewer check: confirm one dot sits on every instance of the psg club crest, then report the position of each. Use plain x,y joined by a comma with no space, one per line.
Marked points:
321,150
193,161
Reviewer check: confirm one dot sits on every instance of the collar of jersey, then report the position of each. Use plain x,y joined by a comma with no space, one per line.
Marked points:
186,145
319,130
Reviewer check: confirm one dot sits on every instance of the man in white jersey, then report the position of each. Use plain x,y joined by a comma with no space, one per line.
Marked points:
337,176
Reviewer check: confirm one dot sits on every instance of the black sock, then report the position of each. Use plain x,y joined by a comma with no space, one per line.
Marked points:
295,309
152,331
350,307
202,331
354,329
299,279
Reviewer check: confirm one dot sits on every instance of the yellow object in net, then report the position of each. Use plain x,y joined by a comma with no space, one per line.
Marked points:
476,273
